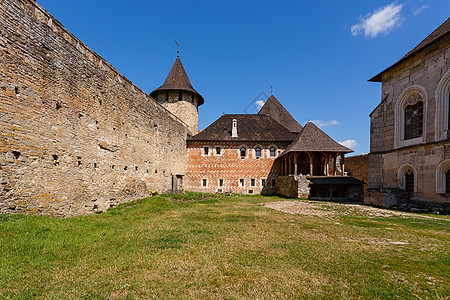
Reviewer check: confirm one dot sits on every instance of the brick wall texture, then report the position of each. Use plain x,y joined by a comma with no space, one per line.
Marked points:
75,135
230,167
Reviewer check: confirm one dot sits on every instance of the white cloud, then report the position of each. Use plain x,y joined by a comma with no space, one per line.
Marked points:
321,123
349,143
259,104
420,9
380,21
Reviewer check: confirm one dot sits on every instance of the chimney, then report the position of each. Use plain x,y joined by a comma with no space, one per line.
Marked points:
234,132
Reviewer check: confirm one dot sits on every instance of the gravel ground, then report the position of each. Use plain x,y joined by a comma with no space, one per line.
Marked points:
322,209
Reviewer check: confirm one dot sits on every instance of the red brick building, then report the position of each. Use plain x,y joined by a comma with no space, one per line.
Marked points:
253,153
237,153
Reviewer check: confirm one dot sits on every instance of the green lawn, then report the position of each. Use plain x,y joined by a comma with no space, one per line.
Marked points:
227,248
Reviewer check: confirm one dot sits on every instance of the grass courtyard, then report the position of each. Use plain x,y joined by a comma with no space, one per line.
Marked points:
202,247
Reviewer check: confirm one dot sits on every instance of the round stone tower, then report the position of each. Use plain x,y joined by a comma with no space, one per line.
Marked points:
179,97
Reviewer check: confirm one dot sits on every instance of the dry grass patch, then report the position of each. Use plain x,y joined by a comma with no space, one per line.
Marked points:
208,247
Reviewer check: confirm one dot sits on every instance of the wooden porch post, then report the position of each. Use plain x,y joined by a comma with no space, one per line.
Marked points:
289,166
295,164
334,164
327,160
343,172
311,164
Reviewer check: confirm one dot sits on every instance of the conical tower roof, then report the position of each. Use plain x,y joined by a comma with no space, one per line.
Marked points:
178,80
273,108
312,139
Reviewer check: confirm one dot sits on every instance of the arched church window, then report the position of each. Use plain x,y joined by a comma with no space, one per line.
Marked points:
407,178
442,111
447,182
409,181
272,152
414,120
443,177
448,110
258,152
410,117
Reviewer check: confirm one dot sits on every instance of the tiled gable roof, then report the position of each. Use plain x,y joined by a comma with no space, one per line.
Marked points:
178,80
250,127
434,37
312,139
273,108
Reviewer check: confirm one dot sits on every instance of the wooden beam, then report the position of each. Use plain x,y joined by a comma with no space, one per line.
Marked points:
343,169
296,165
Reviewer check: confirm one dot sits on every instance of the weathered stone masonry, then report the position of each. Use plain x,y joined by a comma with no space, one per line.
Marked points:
75,135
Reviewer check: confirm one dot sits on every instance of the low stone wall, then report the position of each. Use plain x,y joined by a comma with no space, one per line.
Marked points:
293,186
358,167
355,193
386,198
399,199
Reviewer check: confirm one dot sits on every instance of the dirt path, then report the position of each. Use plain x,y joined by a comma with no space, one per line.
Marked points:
321,209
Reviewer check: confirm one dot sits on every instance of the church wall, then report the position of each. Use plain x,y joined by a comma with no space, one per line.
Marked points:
230,167
424,71
76,136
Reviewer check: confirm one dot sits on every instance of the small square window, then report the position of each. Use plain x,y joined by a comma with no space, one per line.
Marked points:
241,182
204,182
263,182
220,182
218,150
252,182
250,191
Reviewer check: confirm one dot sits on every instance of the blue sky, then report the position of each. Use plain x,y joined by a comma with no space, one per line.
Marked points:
317,55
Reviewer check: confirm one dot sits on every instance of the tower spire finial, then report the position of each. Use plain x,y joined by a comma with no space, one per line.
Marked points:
178,48
271,92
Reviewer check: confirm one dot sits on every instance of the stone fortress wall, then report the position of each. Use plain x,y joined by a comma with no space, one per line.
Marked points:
357,166
75,135
185,109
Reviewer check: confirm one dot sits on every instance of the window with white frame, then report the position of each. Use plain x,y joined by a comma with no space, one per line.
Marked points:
410,117
273,151
242,152
263,182
204,182
257,152
205,151
252,182
241,182
218,151
220,182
